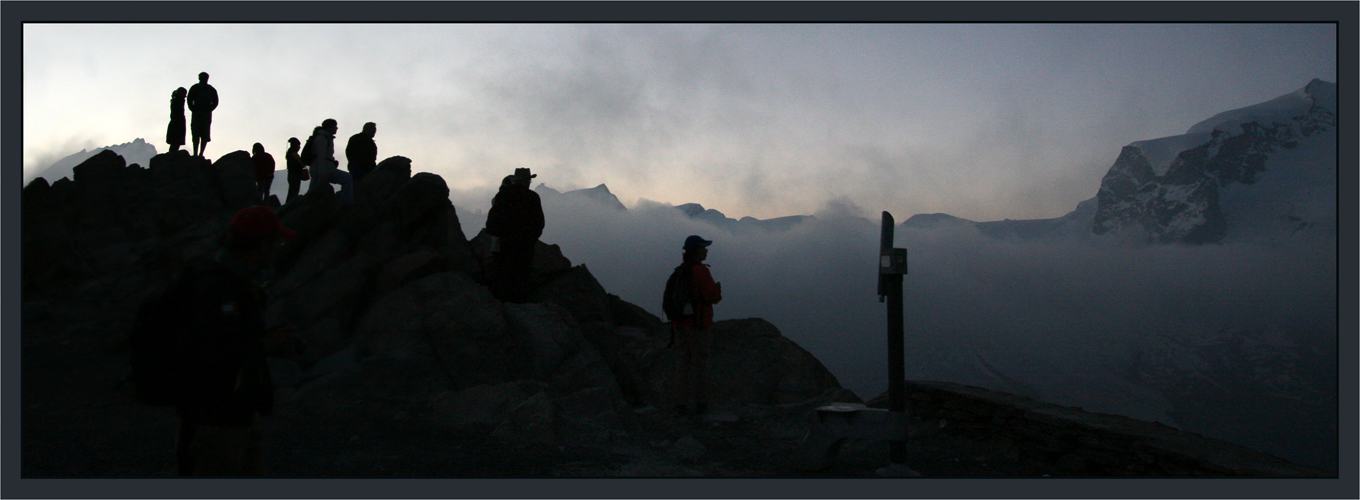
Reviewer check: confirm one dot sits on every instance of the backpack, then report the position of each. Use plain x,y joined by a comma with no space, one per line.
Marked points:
678,301
157,339
308,154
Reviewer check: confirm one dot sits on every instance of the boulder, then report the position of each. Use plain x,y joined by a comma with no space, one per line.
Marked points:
458,320
235,175
423,192
531,421
384,181
549,263
578,292
482,408
751,359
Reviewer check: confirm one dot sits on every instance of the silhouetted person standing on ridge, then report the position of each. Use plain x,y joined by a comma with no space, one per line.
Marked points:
516,221
264,170
297,172
174,134
226,375
694,332
202,101
324,167
362,152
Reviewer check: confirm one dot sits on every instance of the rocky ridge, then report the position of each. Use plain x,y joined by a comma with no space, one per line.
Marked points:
413,368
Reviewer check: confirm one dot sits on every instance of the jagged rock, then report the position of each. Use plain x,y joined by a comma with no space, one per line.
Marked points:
688,448
399,271
656,468
334,295
576,291
531,421
752,360
483,407
628,314
384,181
451,318
423,192
548,259
409,376
236,180
104,166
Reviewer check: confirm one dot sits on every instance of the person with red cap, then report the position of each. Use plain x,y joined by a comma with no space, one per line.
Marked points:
694,329
223,350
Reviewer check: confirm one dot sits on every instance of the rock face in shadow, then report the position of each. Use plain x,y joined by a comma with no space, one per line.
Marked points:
390,298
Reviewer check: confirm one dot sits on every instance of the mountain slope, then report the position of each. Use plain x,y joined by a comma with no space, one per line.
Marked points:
1191,188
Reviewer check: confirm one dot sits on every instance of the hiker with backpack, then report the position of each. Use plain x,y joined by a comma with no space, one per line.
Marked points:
688,303
201,347
515,221
319,154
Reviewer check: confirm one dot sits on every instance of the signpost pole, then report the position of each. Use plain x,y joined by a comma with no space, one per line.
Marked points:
892,265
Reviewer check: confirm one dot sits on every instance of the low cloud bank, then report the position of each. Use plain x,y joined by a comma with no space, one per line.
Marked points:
1058,319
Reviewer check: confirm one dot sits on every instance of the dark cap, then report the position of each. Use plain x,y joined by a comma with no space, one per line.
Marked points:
694,241
256,222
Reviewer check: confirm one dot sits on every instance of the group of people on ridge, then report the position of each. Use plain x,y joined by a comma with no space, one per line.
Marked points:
316,161
222,380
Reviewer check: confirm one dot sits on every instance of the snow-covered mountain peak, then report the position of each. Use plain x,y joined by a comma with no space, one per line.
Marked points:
1280,109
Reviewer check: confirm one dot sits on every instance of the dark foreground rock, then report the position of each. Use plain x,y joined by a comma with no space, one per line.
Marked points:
413,368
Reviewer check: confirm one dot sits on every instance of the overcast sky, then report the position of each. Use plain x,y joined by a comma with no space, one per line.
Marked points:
984,122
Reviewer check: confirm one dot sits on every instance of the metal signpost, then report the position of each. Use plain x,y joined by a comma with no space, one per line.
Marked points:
840,421
891,266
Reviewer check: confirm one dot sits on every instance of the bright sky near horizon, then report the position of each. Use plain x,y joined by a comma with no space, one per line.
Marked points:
983,122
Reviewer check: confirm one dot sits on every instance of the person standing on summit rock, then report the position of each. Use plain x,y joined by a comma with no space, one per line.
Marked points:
362,153
325,169
174,133
264,170
516,222
202,101
694,329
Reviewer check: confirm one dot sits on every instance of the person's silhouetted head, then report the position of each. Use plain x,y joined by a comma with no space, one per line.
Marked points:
294,143
203,77
330,125
371,129
258,148
179,93
696,248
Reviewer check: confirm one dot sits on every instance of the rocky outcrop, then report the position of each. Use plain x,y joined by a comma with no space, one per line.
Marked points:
753,361
1082,443
388,295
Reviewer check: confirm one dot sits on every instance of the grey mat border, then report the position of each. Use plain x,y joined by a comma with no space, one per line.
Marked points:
13,14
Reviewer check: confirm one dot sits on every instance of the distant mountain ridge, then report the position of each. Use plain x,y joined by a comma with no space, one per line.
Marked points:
138,151
1266,171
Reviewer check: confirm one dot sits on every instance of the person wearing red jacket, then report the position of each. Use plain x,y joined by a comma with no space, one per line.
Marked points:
694,333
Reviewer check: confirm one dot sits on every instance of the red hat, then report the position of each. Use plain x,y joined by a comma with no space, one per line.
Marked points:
260,221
